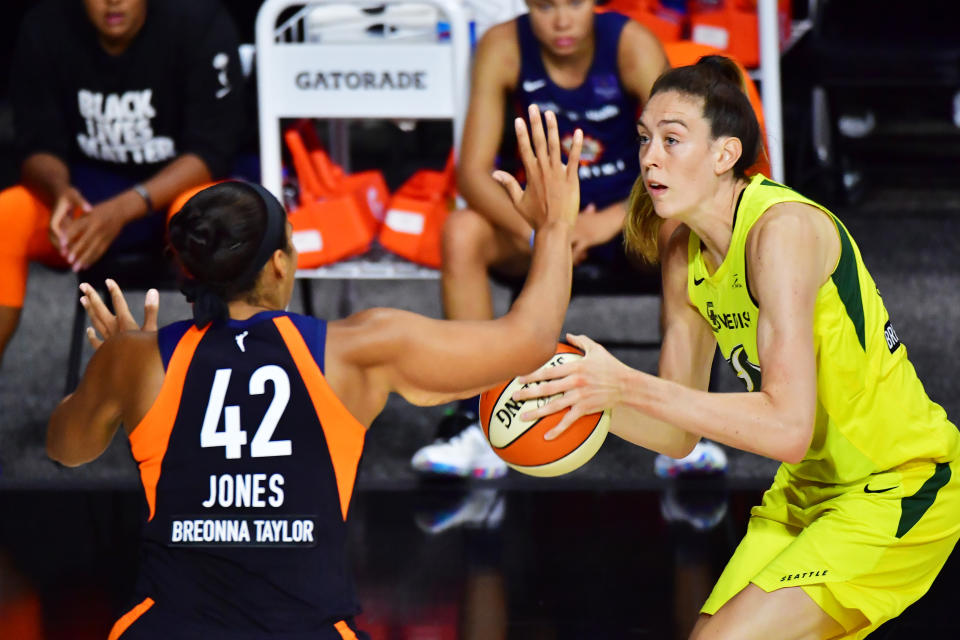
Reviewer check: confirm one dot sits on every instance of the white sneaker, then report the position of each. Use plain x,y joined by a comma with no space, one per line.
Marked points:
466,454
702,511
480,509
706,457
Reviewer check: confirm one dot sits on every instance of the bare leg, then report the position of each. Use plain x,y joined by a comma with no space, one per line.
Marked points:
471,245
785,614
9,319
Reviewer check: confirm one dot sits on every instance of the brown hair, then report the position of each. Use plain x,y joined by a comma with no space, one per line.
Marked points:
718,82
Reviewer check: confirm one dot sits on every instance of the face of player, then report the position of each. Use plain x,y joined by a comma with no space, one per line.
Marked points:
117,21
563,27
678,154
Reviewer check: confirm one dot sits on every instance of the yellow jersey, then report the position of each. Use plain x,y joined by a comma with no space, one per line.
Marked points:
872,413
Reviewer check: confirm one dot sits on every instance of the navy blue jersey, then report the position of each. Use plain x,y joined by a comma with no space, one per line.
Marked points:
601,107
248,462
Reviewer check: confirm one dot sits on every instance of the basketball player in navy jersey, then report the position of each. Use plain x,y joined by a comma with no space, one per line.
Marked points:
593,71
248,422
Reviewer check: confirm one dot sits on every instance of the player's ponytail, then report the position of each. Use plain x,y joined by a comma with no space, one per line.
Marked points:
717,81
222,237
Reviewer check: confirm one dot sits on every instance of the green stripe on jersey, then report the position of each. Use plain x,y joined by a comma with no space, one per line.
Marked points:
847,281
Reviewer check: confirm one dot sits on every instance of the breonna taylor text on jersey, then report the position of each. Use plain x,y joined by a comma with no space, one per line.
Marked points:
248,461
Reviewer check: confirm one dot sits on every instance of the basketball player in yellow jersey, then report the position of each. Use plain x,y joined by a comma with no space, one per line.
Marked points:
865,508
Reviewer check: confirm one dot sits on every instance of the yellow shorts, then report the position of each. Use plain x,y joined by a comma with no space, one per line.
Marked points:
863,551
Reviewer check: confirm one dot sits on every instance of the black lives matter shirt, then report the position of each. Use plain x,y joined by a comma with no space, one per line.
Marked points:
175,90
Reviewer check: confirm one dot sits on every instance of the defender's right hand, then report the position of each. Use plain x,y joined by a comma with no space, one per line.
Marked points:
553,188
107,324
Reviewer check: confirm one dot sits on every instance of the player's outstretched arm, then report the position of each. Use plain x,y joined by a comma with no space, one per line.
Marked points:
595,382
791,252
431,361
125,364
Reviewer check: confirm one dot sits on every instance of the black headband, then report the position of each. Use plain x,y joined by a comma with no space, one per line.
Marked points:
208,305
274,236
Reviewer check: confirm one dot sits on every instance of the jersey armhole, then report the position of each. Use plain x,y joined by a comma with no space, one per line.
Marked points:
314,334
168,337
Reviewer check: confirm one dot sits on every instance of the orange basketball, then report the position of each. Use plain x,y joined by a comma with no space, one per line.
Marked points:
520,442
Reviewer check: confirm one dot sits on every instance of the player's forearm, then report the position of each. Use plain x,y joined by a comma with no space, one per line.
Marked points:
757,422
644,431
46,175
607,223
542,303
612,218
181,174
488,198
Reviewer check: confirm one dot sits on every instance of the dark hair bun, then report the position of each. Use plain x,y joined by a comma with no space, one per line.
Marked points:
214,238
722,68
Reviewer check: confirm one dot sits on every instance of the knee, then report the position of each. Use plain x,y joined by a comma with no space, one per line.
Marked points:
463,239
21,213
16,201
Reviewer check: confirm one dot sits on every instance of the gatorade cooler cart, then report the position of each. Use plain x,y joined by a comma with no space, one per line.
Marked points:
348,59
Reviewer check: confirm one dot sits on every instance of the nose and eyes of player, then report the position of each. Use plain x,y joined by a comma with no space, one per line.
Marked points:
681,158
563,27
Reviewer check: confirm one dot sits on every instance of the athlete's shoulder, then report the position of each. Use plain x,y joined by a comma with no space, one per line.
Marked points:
636,34
500,45
189,24
196,13
497,57
786,228
169,336
52,18
640,58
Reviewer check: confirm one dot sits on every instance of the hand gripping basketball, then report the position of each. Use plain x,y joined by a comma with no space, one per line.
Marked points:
520,441
584,386
553,188
108,324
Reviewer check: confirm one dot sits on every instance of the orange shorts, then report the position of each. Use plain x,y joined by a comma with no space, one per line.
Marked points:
25,238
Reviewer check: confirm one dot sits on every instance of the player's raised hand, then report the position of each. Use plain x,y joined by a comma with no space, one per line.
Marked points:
107,324
553,188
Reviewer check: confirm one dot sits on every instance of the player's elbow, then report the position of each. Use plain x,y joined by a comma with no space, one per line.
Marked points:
59,452
470,175
680,448
797,443
536,345
61,447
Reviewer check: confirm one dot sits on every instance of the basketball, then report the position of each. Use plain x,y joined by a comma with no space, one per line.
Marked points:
520,442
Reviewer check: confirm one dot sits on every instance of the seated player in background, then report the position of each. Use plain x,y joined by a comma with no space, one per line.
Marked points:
248,422
119,107
594,71
865,508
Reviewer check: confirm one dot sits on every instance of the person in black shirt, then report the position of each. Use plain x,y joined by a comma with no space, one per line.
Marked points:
119,107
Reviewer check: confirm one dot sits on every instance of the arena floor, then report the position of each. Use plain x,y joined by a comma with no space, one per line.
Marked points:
557,565
588,555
